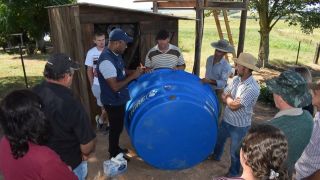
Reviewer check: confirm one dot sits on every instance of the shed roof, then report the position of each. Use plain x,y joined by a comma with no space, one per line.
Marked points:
84,4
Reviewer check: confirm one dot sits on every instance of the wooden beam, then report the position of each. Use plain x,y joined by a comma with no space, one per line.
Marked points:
176,4
199,35
226,5
155,7
242,31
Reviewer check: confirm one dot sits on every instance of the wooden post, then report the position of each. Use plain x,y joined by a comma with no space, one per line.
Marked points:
298,53
226,21
155,7
317,54
242,31
23,67
199,35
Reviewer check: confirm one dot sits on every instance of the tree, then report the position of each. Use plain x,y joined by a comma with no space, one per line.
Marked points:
303,12
29,17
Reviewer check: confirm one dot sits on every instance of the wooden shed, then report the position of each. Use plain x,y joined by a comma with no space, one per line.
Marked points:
72,28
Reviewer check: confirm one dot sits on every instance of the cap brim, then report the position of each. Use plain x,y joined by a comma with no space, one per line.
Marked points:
128,39
215,45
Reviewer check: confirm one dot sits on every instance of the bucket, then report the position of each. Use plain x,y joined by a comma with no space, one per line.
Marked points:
172,119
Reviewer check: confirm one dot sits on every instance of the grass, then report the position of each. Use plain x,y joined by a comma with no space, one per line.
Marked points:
284,42
11,74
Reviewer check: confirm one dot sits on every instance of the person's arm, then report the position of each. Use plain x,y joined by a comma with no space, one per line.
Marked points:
181,67
117,85
314,176
86,149
181,64
90,74
233,104
222,82
209,81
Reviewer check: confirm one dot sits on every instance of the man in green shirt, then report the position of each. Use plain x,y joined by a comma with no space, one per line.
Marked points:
290,94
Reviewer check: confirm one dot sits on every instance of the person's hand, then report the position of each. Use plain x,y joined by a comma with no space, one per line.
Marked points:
224,97
95,74
85,157
205,80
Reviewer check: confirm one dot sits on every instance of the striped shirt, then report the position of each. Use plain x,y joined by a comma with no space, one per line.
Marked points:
219,72
309,162
248,92
169,59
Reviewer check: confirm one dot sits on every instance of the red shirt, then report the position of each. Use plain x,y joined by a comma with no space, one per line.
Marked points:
39,162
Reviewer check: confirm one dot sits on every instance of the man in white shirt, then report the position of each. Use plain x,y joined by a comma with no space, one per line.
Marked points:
91,63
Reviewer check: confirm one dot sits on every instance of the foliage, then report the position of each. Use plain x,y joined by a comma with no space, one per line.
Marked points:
303,12
29,17
265,96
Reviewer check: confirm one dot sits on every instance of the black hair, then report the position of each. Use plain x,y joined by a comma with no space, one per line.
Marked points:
162,35
23,121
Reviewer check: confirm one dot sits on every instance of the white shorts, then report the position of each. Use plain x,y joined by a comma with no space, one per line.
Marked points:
96,92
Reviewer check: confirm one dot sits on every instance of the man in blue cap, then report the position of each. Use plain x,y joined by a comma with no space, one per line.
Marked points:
290,94
114,80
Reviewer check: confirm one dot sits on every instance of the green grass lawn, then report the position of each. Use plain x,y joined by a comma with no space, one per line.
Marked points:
284,42
11,74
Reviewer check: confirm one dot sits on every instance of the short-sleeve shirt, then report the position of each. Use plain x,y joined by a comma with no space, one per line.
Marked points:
91,61
219,72
248,91
171,58
70,124
40,162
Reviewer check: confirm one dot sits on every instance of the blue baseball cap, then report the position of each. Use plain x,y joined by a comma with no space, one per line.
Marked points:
118,34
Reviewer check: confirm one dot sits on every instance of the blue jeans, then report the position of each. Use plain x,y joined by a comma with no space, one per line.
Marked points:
236,134
82,170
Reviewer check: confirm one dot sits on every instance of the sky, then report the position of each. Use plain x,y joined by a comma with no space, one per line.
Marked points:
122,3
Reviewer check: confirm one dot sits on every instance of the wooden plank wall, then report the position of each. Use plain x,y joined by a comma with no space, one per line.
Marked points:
67,38
72,28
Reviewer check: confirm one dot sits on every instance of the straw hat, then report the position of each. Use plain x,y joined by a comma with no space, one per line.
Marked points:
247,60
223,45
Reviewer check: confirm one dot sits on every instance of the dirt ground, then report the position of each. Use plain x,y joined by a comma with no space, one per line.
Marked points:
139,170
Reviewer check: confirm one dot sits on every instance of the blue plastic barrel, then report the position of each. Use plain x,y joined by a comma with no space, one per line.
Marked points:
172,119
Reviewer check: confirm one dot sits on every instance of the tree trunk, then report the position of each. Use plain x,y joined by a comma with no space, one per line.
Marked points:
263,55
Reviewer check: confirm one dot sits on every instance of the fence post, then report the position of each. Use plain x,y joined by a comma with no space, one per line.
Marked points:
298,53
317,53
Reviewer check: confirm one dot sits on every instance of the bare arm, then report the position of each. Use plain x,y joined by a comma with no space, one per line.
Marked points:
209,81
233,104
117,85
90,74
86,149
314,176
181,67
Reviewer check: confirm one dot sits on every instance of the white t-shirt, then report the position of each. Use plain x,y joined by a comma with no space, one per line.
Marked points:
92,60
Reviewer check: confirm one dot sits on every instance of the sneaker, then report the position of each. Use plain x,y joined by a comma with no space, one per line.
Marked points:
99,125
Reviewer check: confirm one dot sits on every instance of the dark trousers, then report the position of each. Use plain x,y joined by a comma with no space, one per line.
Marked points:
116,119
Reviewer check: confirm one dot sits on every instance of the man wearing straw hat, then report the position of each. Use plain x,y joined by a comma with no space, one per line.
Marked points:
290,94
218,69
240,97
